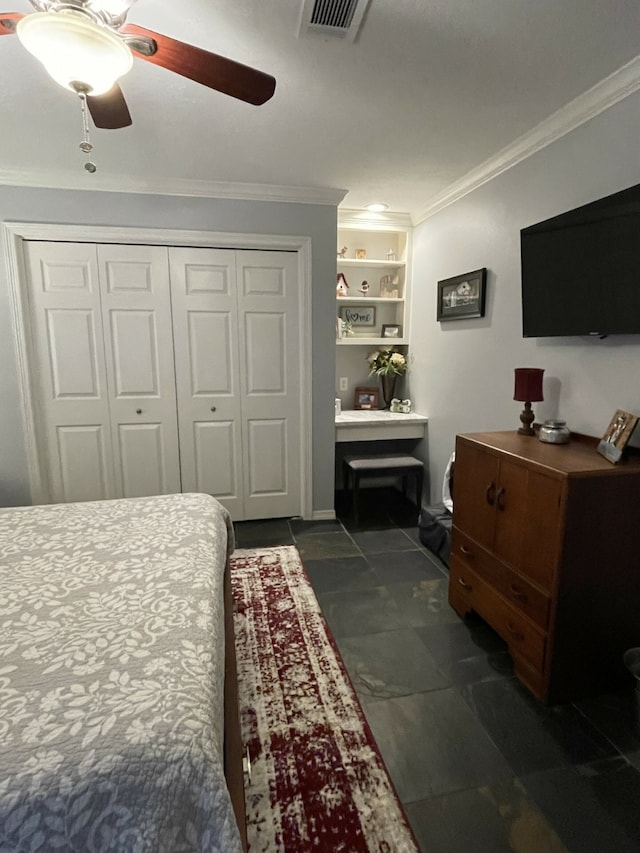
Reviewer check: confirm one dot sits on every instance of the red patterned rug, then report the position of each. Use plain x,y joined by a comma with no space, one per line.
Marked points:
317,779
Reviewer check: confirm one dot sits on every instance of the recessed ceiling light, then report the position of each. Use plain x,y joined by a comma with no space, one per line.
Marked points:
377,207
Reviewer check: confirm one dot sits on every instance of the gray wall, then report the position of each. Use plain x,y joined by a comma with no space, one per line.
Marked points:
462,376
95,208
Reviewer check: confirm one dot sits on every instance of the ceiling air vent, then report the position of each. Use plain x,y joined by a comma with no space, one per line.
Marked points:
332,18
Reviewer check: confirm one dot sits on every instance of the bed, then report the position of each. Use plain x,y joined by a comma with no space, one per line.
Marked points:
113,697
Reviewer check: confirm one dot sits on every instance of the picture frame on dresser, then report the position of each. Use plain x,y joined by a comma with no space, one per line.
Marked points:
463,296
617,435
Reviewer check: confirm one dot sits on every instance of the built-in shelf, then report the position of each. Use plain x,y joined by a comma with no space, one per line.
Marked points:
387,299
352,262
368,299
359,340
387,280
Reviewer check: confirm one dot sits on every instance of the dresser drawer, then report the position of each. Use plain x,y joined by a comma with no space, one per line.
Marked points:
467,591
508,583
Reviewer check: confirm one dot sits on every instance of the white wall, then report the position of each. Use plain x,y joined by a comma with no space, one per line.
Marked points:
95,208
462,374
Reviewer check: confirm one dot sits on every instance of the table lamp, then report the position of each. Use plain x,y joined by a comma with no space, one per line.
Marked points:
528,389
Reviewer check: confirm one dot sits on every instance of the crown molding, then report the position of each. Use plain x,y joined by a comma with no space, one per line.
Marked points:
614,88
76,180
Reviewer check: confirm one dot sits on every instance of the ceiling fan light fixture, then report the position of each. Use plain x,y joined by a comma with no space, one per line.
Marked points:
78,53
376,207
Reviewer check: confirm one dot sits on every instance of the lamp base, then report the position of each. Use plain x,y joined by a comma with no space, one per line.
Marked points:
526,417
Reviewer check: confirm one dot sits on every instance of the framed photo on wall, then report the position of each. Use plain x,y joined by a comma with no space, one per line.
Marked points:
463,296
366,398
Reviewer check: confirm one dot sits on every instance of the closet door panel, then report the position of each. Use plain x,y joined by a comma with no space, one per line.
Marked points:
84,464
136,316
211,343
205,325
264,334
216,455
142,458
67,371
72,355
267,452
270,374
135,354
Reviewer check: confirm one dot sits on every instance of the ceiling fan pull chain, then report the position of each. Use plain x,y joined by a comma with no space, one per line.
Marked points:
85,146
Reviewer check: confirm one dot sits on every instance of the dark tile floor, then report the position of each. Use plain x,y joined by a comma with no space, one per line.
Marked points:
480,765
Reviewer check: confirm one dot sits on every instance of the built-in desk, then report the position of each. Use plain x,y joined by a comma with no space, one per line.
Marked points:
376,425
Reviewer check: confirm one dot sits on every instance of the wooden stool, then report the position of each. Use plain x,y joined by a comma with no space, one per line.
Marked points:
391,465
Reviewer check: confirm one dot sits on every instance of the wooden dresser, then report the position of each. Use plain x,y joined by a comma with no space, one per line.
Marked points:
546,548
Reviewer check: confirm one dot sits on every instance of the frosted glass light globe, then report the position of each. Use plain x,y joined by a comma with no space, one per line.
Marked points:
75,50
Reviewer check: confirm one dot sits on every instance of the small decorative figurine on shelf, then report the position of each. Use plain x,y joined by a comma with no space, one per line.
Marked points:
341,286
361,254
342,253
364,287
391,255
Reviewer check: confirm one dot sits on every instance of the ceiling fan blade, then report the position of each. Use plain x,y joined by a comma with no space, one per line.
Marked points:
209,69
8,21
110,110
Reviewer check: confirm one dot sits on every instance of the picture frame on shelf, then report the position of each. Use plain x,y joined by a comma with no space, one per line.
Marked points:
366,398
391,330
462,297
358,315
617,435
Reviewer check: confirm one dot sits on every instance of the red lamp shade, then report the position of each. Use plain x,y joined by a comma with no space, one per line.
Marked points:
528,384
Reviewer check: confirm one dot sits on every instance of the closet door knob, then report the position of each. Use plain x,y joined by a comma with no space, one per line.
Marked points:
138,411
213,408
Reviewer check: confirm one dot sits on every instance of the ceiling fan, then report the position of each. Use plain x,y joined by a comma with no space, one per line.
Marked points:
86,46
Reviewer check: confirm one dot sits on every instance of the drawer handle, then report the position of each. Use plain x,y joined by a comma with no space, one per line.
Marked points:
500,498
517,593
464,584
246,765
490,494
466,551
517,635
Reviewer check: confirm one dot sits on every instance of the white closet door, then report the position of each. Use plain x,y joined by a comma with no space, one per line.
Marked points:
136,317
67,362
268,300
205,322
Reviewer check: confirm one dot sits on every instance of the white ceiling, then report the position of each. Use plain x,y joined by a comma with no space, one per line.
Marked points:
430,90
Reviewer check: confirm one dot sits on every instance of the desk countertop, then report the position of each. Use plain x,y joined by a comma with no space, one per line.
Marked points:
377,417
378,425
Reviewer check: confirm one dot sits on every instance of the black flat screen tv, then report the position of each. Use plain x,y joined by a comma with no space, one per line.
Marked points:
581,270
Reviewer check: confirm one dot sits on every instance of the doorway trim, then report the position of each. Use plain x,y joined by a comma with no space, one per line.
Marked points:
15,234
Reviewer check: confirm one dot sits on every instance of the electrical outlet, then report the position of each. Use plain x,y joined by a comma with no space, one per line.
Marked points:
344,383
